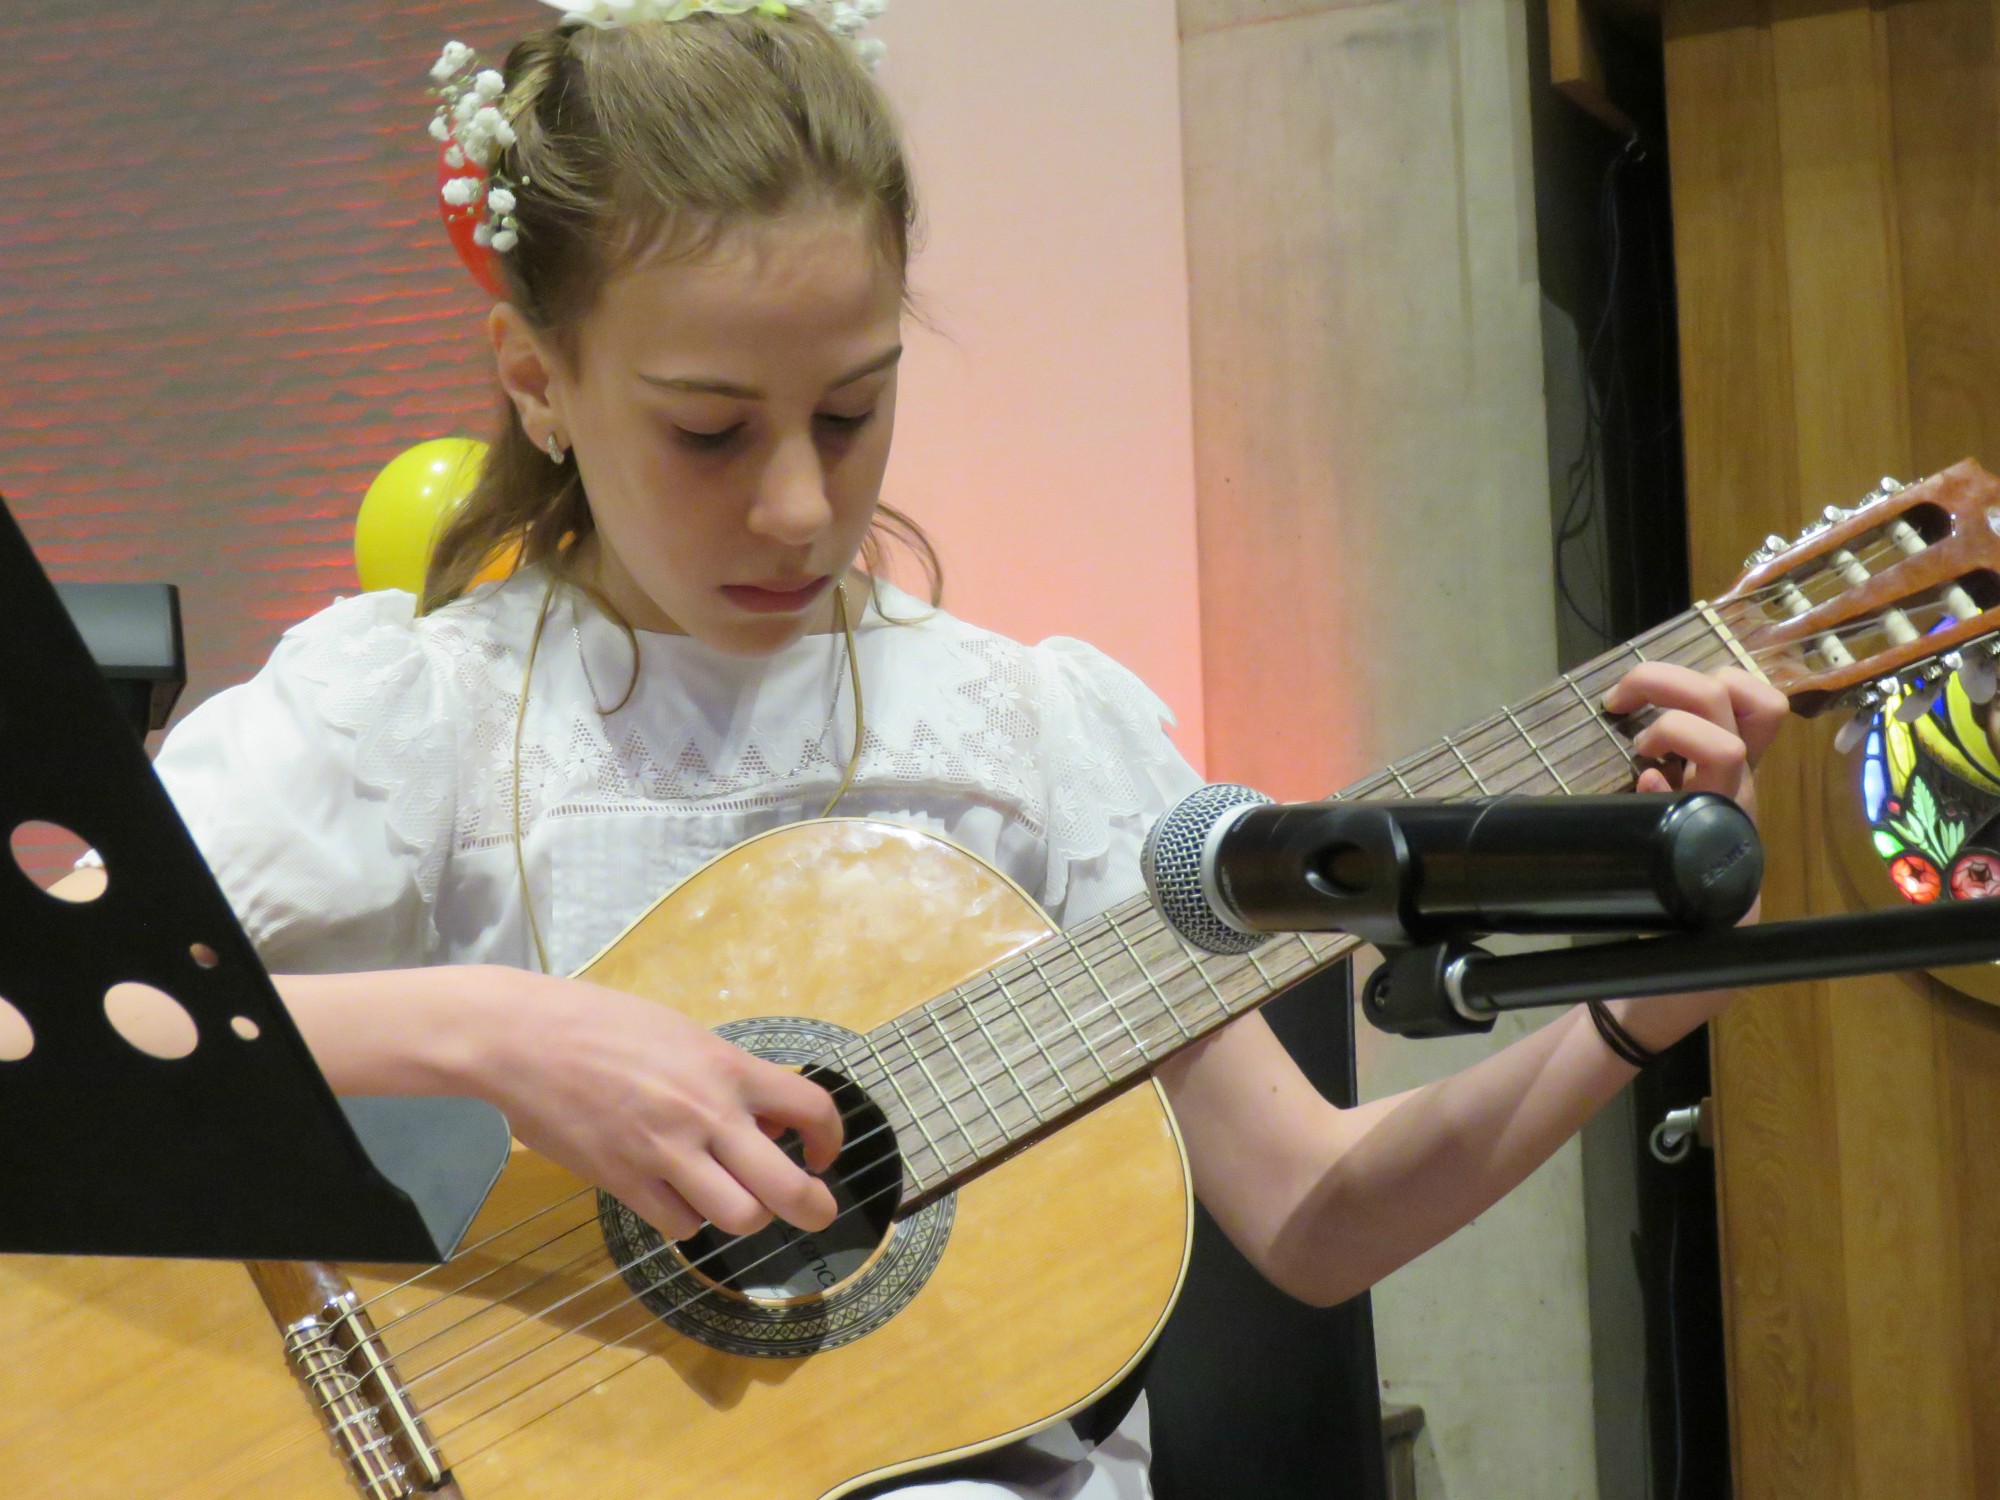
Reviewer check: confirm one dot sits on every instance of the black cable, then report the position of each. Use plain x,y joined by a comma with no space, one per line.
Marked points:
1586,472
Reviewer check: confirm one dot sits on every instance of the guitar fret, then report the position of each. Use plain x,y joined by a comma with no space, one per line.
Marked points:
1187,959
1102,989
1401,784
1547,764
1590,711
909,1040
1068,1015
1111,1001
1034,1110
965,1067
889,1077
1146,974
1262,972
1477,781
1028,1025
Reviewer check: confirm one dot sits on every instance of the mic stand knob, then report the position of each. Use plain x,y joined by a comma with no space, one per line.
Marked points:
1416,991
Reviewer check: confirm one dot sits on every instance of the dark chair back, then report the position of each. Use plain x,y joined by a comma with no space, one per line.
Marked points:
1254,1394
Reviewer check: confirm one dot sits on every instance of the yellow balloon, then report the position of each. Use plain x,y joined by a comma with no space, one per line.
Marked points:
406,508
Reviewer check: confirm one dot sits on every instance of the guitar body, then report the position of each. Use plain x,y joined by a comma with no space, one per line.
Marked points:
1037,1285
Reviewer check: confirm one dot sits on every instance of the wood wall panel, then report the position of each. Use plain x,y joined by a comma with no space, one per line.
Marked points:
1833,171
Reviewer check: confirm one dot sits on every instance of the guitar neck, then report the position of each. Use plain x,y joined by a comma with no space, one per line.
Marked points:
983,1068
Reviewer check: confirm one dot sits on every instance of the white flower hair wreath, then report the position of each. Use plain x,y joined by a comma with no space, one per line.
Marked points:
473,130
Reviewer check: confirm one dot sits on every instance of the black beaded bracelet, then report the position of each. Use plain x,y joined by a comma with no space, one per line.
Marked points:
1628,1047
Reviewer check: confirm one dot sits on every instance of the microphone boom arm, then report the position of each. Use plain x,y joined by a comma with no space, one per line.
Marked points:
1448,988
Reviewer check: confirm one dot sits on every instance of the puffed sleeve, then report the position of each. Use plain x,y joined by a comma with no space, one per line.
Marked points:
322,791
1109,771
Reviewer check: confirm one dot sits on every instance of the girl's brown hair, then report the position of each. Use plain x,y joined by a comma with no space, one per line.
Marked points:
655,140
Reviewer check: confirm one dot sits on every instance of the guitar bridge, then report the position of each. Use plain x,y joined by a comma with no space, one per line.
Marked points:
362,1403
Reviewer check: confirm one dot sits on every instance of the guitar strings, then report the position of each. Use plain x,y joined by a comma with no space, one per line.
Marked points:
1136,1043
1134,1049
1139,1045
1133,1046
438,1405
945,1100
587,1353
1876,547
889,1074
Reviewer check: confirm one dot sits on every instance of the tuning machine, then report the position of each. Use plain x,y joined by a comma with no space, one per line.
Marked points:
1923,689
1827,519
1864,703
1978,668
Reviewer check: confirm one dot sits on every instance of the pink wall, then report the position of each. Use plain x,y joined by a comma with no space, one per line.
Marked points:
208,347
1044,434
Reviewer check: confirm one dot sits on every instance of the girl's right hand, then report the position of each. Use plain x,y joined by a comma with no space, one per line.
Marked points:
653,1108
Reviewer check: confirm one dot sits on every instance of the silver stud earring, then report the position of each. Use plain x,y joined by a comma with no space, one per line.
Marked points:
555,449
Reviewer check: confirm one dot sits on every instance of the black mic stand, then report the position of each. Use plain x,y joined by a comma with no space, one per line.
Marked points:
1455,986
238,1150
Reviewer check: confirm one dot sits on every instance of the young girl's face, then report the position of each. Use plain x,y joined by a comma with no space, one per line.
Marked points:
731,420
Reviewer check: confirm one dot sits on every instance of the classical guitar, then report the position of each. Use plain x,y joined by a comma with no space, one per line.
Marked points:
1015,1208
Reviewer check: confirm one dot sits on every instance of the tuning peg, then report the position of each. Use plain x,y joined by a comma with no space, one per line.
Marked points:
1977,673
1925,687
1918,702
1773,545
1854,731
1867,702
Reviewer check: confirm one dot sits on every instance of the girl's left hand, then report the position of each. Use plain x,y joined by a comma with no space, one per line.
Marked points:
1712,730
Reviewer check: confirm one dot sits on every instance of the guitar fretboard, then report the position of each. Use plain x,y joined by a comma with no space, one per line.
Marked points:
1043,1036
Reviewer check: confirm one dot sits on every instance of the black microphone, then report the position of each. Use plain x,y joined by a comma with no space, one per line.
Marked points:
1227,866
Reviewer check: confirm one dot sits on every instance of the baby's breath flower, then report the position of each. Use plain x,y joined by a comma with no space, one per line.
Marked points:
454,57
505,240
500,201
489,84
459,192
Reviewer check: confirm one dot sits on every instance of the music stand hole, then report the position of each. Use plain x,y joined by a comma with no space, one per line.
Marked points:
17,1037
203,955
46,852
151,1020
244,1027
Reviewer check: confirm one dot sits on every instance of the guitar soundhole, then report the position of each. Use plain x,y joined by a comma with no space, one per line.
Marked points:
784,1292
781,1263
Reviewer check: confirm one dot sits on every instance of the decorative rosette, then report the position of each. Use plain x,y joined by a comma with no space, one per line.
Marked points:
475,200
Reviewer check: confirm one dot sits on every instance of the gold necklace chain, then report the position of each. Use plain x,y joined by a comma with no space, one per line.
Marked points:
521,718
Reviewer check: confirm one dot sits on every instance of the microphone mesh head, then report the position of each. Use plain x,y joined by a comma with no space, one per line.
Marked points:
1171,861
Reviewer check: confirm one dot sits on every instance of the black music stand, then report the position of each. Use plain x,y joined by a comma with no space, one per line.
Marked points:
239,1150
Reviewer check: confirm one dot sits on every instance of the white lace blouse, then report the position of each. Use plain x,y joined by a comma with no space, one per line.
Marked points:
355,798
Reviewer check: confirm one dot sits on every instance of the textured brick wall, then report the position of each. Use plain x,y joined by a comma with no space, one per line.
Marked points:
225,298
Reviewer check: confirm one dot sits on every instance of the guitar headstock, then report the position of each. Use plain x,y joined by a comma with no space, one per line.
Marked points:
1898,592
